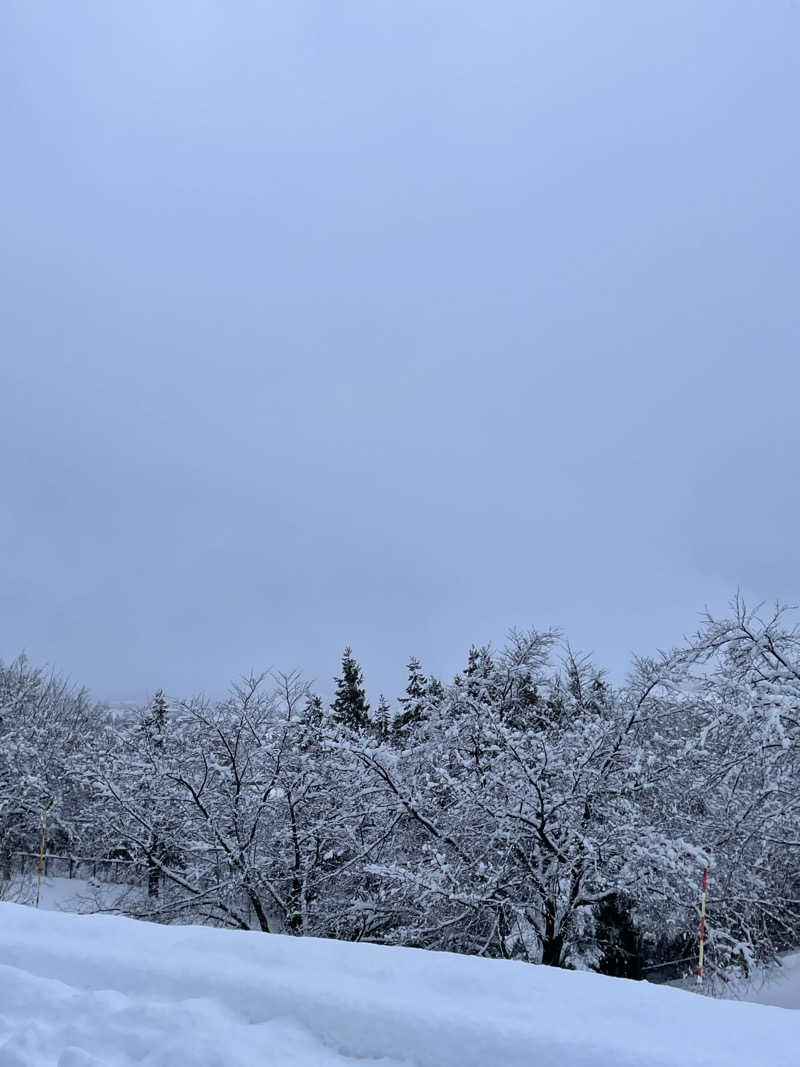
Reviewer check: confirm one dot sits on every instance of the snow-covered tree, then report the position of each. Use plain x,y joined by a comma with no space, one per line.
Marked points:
527,809
384,719
510,835
45,724
739,777
414,701
350,707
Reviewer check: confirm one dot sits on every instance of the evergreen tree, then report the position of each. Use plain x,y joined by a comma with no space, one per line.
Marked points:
159,711
313,713
435,692
414,701
154,721
154,728
312,718
350,707
383,719
480,668
472,662
618,937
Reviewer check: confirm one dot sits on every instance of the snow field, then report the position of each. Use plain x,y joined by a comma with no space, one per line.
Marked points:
84,991
76,895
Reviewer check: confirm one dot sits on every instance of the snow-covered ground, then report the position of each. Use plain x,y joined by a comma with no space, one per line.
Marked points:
780,986
90,990
77,895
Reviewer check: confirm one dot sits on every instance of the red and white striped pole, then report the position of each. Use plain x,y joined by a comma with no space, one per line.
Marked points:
702,931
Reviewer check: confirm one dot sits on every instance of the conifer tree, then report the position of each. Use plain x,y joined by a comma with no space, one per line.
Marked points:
383,719
159,712
618,937
479,671
472,661
313,719
414,701
154,722
350,707
435,691
313,713
154,725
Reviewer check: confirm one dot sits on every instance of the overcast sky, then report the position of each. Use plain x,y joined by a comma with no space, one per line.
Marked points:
392,325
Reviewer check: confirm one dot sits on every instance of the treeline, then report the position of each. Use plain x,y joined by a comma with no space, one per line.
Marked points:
526,809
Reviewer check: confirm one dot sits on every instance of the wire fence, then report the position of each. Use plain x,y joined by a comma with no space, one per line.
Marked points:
102,868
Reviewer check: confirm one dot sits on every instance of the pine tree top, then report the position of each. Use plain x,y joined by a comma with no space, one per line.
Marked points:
349,706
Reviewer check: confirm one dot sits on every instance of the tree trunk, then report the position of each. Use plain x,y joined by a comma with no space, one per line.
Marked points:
153,873
552,942
258,908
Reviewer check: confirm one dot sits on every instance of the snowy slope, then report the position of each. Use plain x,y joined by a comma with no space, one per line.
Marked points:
779,986
90,990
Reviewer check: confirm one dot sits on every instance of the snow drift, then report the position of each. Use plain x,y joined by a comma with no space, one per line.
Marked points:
81,991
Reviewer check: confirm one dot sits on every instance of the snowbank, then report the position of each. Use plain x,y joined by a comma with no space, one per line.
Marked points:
84,991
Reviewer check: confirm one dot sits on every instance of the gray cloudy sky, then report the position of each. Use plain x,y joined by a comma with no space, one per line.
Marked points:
391,324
